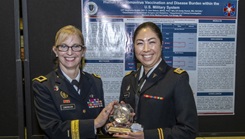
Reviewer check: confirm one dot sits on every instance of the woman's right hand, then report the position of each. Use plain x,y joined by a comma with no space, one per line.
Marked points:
101,119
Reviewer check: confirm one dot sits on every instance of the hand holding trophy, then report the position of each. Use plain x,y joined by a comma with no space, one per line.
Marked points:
122,119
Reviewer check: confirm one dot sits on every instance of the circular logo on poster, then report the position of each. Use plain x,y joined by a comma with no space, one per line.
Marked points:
92,8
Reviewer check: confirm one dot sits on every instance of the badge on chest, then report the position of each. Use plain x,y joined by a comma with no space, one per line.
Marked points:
94,103
67,107
126,94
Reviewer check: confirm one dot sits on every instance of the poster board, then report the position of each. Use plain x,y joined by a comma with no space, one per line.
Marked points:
193,40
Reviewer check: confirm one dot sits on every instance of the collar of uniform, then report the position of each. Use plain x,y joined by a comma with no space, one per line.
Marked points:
69,79
161,68
150,71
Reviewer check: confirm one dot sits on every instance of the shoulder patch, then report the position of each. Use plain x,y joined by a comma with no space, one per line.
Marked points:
128,73
40,79
96,75
179,70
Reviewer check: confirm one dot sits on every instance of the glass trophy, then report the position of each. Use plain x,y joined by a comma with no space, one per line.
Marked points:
122,119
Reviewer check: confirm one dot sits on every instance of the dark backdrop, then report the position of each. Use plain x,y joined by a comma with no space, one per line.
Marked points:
44,17
11,93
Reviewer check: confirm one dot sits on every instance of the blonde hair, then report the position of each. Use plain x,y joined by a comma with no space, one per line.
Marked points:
67,31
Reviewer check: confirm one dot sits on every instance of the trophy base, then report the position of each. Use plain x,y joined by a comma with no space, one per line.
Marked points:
119,130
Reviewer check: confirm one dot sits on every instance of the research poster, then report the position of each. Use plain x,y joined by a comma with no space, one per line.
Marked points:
199,36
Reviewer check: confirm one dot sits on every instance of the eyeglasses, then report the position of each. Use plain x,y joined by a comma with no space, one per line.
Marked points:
75,47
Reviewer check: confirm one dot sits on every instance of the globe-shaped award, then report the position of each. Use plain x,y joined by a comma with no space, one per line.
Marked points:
121,118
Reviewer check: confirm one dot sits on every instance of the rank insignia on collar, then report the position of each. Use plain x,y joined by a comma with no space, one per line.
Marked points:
128,87
56,88
63,94
40,79
154,75
179,70
135,75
